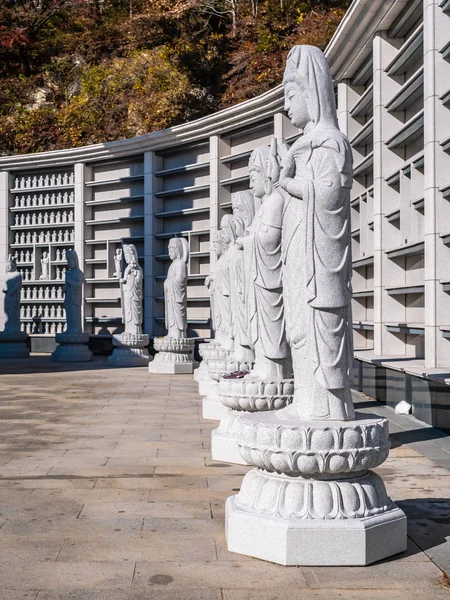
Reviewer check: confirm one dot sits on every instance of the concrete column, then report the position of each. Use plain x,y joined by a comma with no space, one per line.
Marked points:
377,197
279,126
432,332
79,211
4,232
214,192
79,219
343,106
149,248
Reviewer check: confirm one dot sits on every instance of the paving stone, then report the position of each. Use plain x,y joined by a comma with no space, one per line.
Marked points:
19,594
87,527
65,576
111,494
176,594
83,594
151,509
154,547
332,594
385,575
237,574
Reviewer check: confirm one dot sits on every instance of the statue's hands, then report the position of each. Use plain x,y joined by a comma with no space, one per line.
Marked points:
287,171
240,243
208,281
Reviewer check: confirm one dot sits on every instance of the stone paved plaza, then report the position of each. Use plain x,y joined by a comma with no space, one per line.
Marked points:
108,492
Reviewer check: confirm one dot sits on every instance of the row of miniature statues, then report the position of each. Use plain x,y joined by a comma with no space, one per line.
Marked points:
53,311
44,237
43,328
29,275
45,218
40,181
43,200
27,256
53,292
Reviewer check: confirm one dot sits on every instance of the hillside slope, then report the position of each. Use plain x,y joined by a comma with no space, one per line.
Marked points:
76,72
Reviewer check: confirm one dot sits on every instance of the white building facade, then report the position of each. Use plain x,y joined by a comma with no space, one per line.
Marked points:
391,63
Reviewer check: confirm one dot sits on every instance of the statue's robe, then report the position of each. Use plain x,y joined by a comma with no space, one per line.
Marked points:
176,300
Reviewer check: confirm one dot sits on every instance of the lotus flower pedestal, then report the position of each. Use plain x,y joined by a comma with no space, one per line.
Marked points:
224,363
208,351
175,356
242,396
311,498
130,350
72,347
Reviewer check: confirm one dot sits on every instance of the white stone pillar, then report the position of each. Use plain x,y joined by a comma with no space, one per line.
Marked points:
431,192
279,126
377,197
79,226
343,105
149,250
214,193
4,231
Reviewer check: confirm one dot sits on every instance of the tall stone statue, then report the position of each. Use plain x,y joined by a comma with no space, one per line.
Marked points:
11,290
218,357
317,178
210,283
175,350
73,293
118,263
130,346
269,386
12,339
234,228
131,285
175,287
45,266
265,305
72,343
312,484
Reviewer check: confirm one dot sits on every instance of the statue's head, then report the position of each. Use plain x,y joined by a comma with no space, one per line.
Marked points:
308,88
44,254
218,244
257,167
119,252
179,249
130,254
10,265
72,259
228,230
244,208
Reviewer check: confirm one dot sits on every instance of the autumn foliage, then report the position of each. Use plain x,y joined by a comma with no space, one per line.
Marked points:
76,72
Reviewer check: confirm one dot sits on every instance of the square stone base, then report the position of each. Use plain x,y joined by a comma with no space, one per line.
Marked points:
224,448
171,368
309,542
201,374
213,409
14,349
72,353
205,387
127,357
